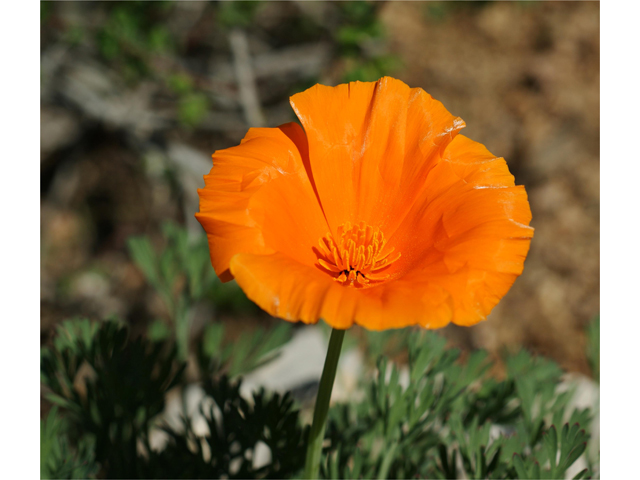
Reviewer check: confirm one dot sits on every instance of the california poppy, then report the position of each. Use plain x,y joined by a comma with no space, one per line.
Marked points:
377,213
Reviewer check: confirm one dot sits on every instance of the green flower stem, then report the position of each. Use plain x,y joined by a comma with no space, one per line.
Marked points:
316,435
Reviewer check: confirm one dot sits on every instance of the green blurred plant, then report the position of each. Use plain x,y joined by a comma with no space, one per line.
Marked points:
58,459
359,23
370,70
110,388
132,32
386,342
45,11
192,104
181,274
192,108
75,334
359,29
237,13
439,417
235,428
418,422
248,352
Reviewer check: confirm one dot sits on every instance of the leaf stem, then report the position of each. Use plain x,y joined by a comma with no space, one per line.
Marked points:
316,435
387,461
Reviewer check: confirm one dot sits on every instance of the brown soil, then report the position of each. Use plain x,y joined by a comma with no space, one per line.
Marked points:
525,78
523,75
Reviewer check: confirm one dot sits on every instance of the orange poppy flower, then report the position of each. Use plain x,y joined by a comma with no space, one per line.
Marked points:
377,213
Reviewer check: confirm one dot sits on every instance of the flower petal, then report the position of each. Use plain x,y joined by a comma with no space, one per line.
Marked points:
293,291
473,163
371,146
258,198
468,232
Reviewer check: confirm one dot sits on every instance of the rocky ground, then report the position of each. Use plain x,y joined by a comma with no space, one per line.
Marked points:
131,111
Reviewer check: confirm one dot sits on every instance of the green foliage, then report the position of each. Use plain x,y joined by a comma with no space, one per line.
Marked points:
229,297
132,32
571,444
45,11
439,417
386,342
158,331
182,275
593,347
536,381
130,38
247,353
360,23
58,459
183,261
441,413
75,334
75,35
180,83
192,105
110,387
235,428
359,29
192,108
237,13
370,70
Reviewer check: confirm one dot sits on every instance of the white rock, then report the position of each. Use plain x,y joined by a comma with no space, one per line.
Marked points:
350,371
300,361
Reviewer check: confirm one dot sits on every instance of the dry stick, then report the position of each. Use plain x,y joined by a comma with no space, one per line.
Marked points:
305,61
246,79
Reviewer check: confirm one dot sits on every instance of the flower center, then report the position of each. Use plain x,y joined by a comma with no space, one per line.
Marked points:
357,256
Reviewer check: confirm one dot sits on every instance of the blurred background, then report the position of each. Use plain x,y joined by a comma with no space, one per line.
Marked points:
136,96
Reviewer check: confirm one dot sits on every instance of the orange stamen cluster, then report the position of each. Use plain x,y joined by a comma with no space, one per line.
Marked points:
358,256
